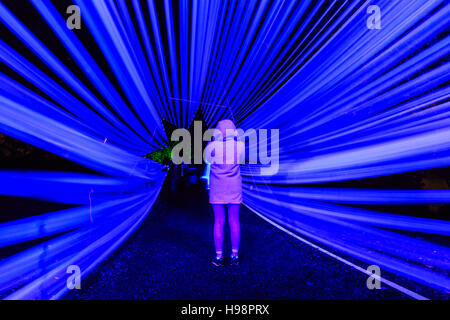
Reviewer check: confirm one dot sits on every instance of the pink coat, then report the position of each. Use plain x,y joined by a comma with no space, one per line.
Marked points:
225,157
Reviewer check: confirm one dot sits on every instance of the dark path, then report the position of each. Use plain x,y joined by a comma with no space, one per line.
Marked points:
168,257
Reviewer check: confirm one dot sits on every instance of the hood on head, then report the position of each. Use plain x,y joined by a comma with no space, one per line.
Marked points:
226,128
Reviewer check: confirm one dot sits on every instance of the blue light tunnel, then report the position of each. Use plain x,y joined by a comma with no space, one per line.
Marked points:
349,101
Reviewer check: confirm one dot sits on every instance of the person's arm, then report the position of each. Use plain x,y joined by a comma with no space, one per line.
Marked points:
207,171
207,155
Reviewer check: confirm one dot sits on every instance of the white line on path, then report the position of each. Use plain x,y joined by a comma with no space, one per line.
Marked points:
385,281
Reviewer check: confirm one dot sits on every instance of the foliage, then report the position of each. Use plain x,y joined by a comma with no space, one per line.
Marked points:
161,156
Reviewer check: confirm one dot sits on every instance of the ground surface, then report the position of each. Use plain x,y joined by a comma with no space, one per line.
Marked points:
168,257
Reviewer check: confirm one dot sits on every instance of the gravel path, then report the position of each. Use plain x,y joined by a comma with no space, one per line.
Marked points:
168,257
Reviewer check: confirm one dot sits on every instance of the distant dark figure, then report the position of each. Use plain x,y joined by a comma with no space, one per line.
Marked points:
173,174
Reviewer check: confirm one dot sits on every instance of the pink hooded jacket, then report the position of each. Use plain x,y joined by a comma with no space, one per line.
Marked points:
225,154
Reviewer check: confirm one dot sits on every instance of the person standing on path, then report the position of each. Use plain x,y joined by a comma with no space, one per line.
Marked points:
224,154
